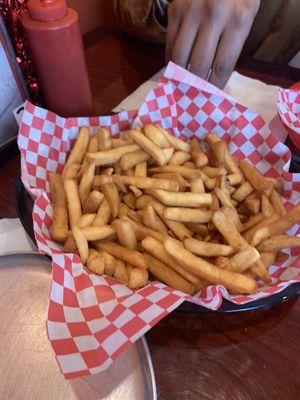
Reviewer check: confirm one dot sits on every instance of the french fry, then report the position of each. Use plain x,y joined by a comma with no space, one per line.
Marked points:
241,261
248,235
221,261
186,172
182,214
103,214
119,142
154,151
72,171
142,231
155,135
208,249
189,164
73,201
79,149
152,221
179,157
85,220
279,242
173,176
210,183
110,263
212,172
255,178
120,272
93,147
112,196
252,221
81,243
231,280
233,216
70,244
127,255
235,179
169,138
107,171
123,210
125,233
130,160
268,258
166,275
195,145
201,229
86,182
219,149
277,203
93,201
253,205
275,183
129,200
95,262
215,205
186,199
178,228
199,158
242,192
136,192
224,198
147,183
60,220
141,170
168,154
266,207
109,157
92,233
105,140
197,185
230,164
261,271
137,277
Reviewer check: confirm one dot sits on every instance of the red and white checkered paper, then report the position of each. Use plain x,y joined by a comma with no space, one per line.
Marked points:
92,319
288,103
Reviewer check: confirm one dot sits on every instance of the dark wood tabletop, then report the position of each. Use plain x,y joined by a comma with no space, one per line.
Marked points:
244,356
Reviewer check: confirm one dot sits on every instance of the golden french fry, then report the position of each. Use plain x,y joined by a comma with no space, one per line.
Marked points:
186,199
275,183
252,221
120,272
130,160
182,214
93,201
156,136
103,214
230,164
179,157
110,263
142,231
215,205
243,260
235,179
178,228
136,192
219,149
101,180
253,205
212,172
79,149
209,183
201,268
261,271
73,200
233,216
152,220
199,158
279,242
266,207
85,220
221,261
107,171
168,152
147,183
256,179
268,258
132,257
70,244
189,164
105,140
170,138
60,220
208,249
72,171
109,157
81,243
141,170
123,210
125,234
200,229
86,182
242,192
171,278
248,235
224,198
197,185
137,277
129,200
175,177
195,145
277,203
112,196
97,232
119,142
93,147
186,172
95,262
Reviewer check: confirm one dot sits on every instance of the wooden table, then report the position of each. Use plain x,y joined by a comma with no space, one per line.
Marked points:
251,356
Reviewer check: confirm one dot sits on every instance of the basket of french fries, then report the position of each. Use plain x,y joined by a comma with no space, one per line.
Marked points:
187,199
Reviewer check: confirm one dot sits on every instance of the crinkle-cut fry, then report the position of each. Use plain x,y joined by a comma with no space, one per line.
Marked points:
79,149
156,249
186,172
277,203
73,201
70,244
125,233
136,192
224,198
243,260
261,271
147,183
152,220
141,170
130,160
182,214
104,139
92,202
92,233
231,280
253,205
235,179
81,243
120,272
86,220
103,214
86,182
142,231
184,199
248,235
179,157
168,276
112,196
183,184
123,210
129,200
110,263
242,192
133,257
228,230
233,216
154,151
109,157
156,136
256,179
279,242
60,220
213,172
95,262
137,277
266,206
252,221
197,185
201,229
73,171
208,249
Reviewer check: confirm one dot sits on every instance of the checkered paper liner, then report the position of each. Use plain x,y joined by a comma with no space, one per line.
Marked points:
288,103
92,319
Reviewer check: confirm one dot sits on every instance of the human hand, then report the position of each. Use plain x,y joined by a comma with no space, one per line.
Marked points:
208,35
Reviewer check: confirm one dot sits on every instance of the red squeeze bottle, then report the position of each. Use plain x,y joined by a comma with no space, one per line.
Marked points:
54,38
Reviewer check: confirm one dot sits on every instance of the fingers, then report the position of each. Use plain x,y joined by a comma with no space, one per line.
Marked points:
174,19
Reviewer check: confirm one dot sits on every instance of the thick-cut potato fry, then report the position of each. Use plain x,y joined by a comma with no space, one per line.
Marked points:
219,149
129,200
230,164
60,220
231,280
95,262
123,210
182,214
129,172
201,229
256,179
93,201
157,250
266,206
186,172
127,255
110,263
178,228
86,220
268,258
233,216
142,201
107,171
141,170
215,205
152,220
252,221
73,200
100,180
81,243
142,231
248,235
147,183
243,260
195,145
275,182
97,232
70,244
105,140
125,234
103,214
169,138
213,172
168,153
224,198
86,182
171,278
112,196
175,177
277,203
199,158
279,242
120,272
242,192
130,160
155,135
253,205
136,192
154,151
119,142
209,183
186,199
109,157
179,157
197,185
79,149
208,249
137,277
93,147
73,171
189,164
235,179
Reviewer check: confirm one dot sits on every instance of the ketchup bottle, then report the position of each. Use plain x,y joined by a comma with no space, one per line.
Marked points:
54,38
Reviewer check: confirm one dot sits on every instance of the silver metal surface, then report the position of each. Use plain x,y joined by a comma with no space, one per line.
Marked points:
28,369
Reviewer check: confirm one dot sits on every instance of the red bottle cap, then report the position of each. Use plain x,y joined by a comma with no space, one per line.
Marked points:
47,10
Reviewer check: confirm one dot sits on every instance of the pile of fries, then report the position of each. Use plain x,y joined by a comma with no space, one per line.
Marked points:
148,202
